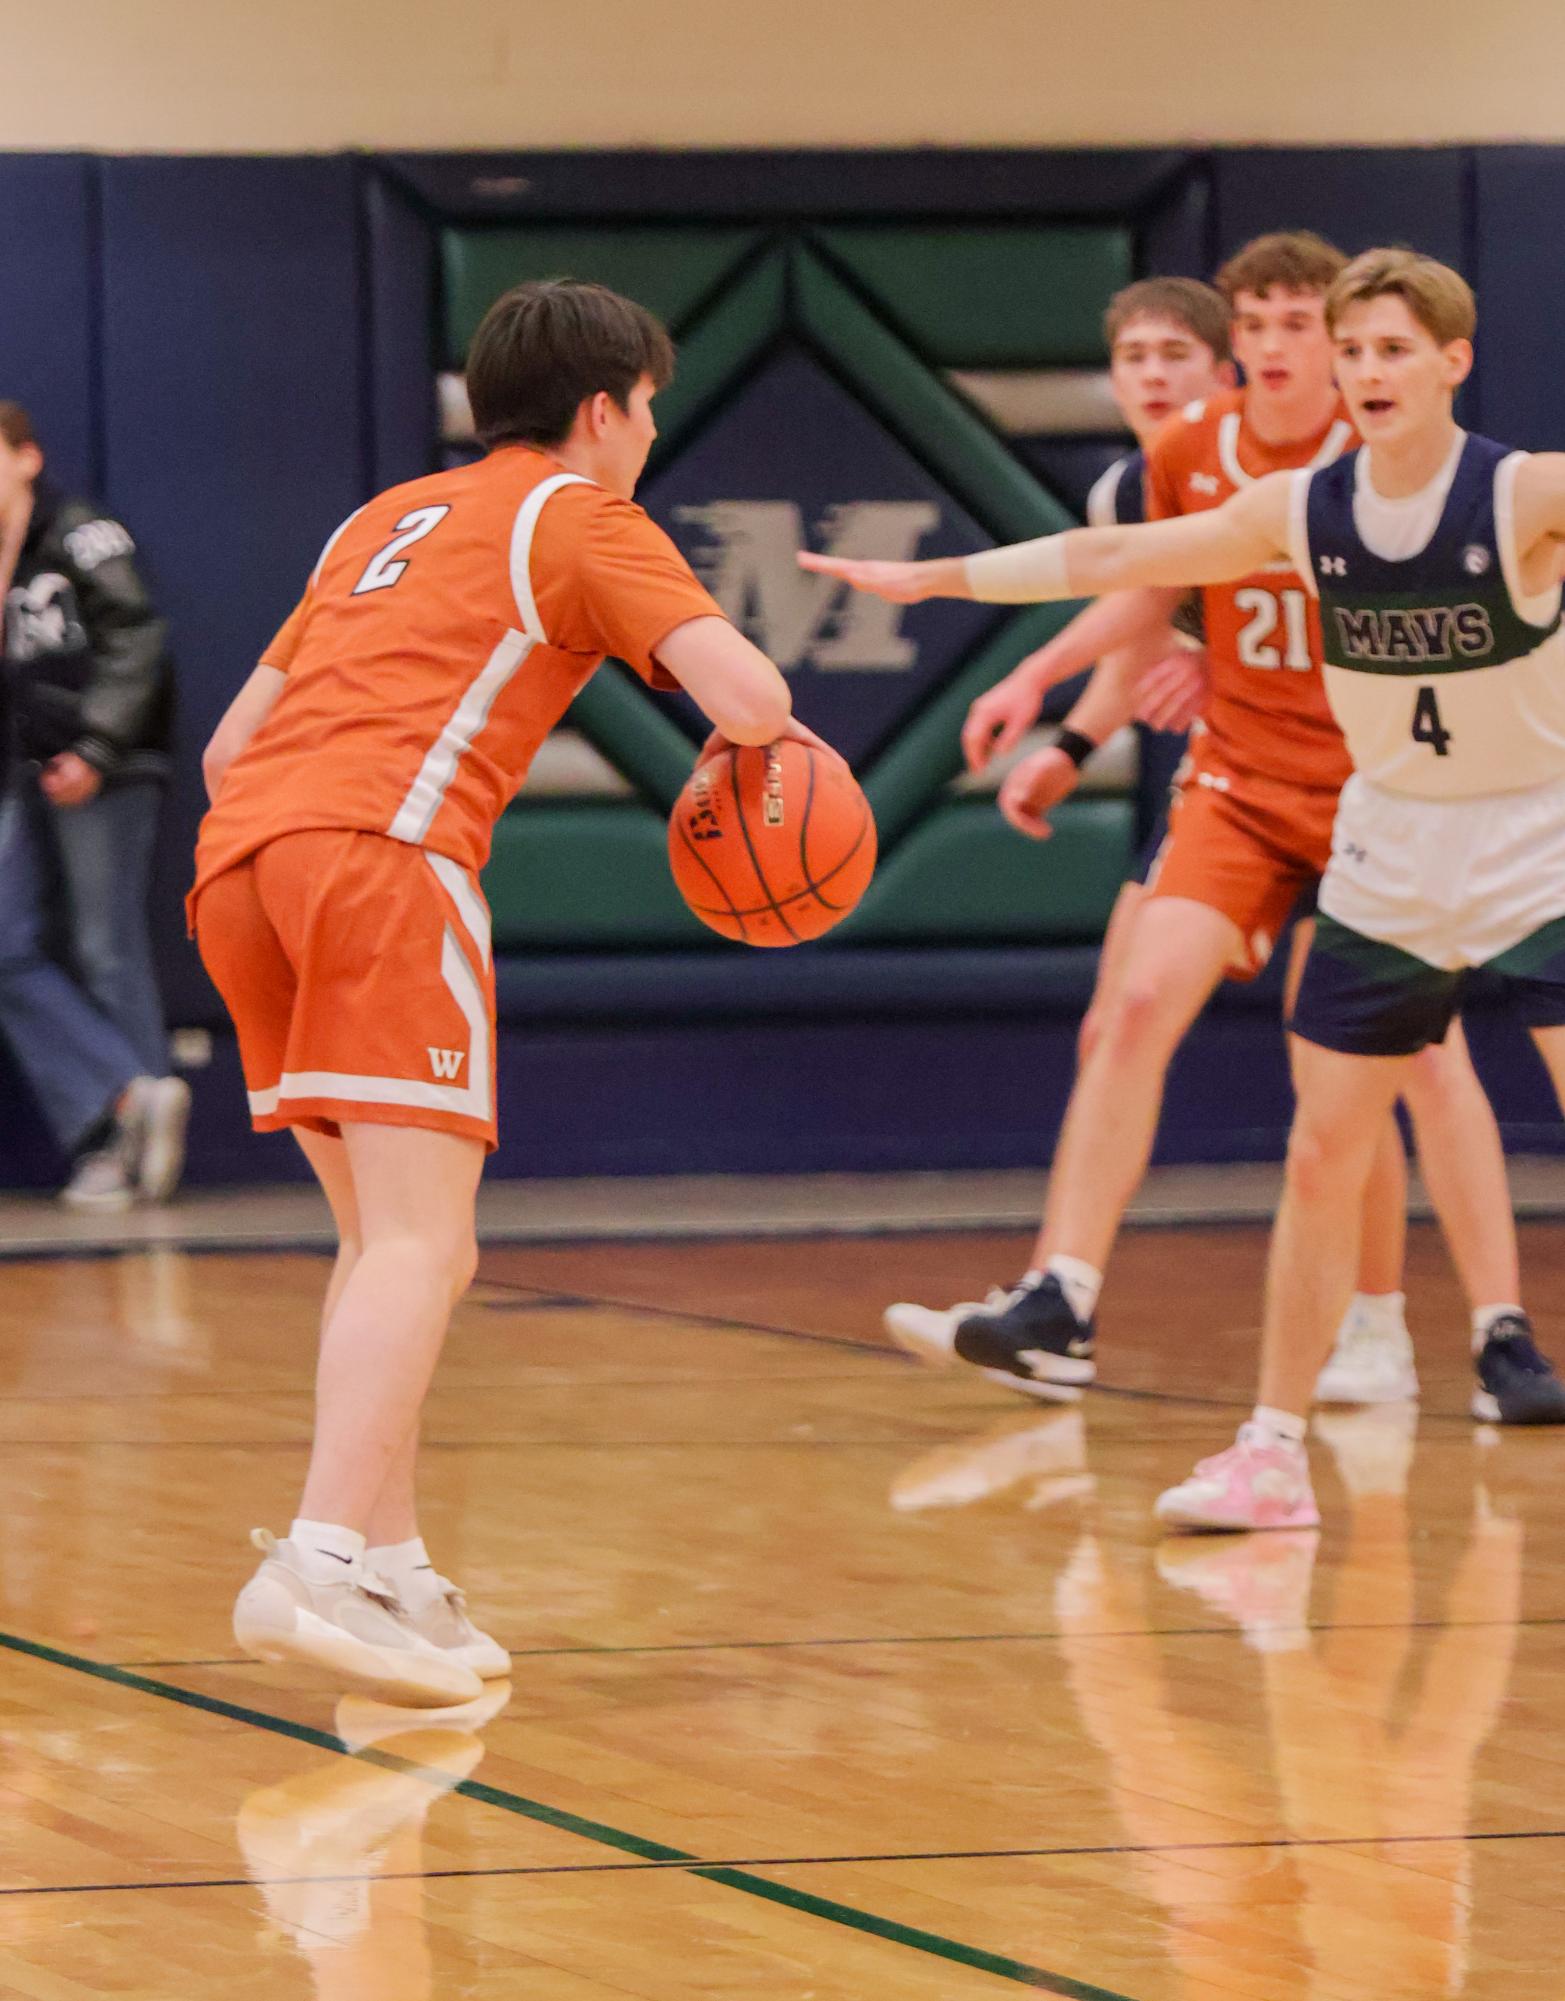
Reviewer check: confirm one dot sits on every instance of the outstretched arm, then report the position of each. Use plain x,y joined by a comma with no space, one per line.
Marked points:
1216,547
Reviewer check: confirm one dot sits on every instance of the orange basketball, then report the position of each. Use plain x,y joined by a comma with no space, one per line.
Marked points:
772,845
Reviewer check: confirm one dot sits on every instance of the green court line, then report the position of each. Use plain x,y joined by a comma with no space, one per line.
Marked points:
847,1915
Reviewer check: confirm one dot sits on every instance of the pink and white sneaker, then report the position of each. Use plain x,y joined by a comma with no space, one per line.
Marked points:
1258,1483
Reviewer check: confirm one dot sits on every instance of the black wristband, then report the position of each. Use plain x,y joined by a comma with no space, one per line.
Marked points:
1076,744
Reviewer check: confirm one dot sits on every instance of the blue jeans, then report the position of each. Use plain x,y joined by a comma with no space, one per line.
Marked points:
78,876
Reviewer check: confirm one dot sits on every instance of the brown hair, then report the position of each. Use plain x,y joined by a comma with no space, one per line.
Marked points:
1202,312
1294,260
543,348
16,427
1440,299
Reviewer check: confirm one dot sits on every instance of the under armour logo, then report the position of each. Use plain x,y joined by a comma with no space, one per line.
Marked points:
1334,566
1475,559
445,1062
1204,482
1354,852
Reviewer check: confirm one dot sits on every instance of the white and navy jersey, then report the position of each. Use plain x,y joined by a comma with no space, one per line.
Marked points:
1118,496
1445,680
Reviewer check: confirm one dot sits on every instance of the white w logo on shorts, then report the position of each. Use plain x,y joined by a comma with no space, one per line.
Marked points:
445,1062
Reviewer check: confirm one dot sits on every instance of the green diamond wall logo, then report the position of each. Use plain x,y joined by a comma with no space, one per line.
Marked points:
794,461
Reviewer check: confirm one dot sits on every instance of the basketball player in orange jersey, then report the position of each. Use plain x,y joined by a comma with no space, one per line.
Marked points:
355,782
1249,835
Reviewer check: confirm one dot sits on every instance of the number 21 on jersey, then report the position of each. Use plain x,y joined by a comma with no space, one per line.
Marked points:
1277,632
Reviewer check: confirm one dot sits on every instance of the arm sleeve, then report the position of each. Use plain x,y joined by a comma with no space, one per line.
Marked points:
285,641
127,639
1162,481
608,580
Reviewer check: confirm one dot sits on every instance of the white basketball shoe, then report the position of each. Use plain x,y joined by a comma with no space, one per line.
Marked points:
352,1628
1373,1359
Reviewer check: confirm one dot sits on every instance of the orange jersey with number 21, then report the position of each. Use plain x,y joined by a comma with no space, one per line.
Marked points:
1268,714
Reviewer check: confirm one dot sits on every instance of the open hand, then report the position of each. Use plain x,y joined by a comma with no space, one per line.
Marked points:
1001,717
1034,788
1173,692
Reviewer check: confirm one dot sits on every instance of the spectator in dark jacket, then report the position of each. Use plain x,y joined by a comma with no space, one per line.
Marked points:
88,698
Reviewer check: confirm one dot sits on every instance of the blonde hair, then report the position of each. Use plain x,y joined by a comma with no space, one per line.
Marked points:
1440,299
1294,260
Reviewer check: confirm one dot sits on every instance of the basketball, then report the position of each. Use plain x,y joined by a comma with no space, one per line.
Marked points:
773,844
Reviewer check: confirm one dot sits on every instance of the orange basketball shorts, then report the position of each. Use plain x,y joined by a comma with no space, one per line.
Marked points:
357,970
1250,847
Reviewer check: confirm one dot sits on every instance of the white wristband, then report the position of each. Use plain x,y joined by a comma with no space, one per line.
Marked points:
1021,573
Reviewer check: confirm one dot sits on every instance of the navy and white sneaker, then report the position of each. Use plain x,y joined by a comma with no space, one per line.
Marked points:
1516,1385
1033,1339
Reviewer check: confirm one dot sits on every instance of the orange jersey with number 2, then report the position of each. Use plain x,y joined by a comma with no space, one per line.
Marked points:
1268,714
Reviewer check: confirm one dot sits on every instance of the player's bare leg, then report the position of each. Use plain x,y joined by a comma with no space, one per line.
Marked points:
415,1191
1372,1358
1177,952
314,1600
1039,1338
1463,1165
1263,1481
1111,965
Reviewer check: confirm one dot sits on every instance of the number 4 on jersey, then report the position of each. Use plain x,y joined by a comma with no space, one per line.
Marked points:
383,569
1427,726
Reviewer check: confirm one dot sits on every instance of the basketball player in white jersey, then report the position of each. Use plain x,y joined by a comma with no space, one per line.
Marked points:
1437,558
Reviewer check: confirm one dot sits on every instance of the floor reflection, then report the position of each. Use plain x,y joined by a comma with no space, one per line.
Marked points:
1256,1793
337,1852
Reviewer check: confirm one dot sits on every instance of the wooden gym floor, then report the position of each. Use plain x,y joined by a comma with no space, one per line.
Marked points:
836,1679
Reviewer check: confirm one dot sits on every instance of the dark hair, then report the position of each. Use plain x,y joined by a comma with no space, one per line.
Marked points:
1202,313
16,427
544,347
1294,260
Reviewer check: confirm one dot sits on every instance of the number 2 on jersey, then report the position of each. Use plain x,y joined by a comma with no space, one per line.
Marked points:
1265,609
1427,726
383,569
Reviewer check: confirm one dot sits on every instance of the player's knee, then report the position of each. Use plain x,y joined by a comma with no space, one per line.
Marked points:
1319,1153
1141,1021
1089,1035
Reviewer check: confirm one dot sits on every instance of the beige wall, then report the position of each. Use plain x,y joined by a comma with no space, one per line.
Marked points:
284,75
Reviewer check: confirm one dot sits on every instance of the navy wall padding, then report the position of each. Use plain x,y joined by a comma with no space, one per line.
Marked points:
1358,196
48,253
234,421
1174,235
1519,275
1078,183
400,255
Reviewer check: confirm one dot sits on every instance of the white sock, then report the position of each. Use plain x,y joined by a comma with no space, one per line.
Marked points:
1080,1282
405,1566
1386,1309
1277,1427
1484,1318
324,1549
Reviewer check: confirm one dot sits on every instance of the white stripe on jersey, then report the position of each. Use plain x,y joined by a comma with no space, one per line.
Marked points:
425,796
526,526
1332,447
1103,500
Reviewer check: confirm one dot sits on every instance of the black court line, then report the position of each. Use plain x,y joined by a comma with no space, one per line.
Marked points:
1047,1637
725,1323
849,1916
529,1869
